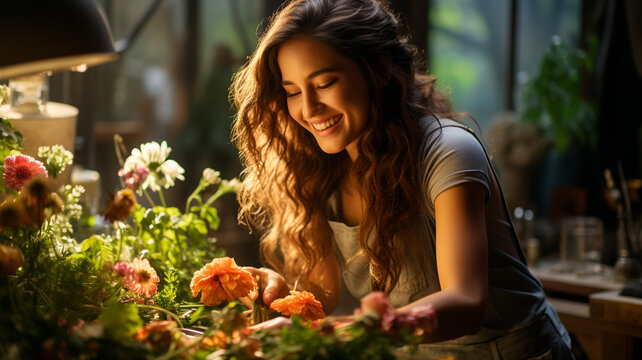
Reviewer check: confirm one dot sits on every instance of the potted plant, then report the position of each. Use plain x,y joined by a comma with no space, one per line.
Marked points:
553,99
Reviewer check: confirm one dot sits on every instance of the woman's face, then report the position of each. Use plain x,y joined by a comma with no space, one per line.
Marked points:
326,92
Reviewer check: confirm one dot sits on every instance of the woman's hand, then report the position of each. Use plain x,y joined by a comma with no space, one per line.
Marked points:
272,283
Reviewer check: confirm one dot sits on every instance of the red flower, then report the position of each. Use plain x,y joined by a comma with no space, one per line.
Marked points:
301,303
20,168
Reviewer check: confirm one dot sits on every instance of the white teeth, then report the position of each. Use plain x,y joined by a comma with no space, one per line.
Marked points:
324,125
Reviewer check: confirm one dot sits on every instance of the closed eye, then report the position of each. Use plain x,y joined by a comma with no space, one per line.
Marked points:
289,95
327,85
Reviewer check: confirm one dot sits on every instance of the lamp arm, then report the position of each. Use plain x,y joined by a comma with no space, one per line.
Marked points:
124,44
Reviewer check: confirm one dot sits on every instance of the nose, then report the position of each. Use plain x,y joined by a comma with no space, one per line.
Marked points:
311,104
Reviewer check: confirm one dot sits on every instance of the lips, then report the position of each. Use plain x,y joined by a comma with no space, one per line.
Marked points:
327,124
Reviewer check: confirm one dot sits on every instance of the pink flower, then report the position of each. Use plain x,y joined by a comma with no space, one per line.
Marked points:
378,302
124,269
134,178
418,320
138,276
18,169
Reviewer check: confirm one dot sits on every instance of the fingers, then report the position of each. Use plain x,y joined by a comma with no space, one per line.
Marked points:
247,301
273,283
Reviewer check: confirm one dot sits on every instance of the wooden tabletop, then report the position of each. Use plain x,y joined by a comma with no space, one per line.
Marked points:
576,279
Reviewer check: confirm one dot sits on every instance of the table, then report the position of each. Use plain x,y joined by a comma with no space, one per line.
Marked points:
606,325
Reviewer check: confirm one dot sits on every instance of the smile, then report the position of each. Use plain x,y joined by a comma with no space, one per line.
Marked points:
326,124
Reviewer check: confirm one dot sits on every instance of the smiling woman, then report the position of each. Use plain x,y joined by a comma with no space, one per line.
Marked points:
358,177
327,93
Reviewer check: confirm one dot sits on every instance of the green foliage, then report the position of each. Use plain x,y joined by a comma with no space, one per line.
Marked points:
176,242
64,280
553,99
11,140
362,339
166,298
120,320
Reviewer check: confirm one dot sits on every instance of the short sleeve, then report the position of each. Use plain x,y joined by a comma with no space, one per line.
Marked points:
452,155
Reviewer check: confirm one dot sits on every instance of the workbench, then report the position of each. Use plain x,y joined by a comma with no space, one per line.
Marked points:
605,324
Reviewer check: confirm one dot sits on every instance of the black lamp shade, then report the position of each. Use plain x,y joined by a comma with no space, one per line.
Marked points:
51,35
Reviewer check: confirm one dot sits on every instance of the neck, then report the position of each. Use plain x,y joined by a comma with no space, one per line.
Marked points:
352,151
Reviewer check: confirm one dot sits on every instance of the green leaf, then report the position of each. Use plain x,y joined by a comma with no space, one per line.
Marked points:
120,320
196,315
211,216
198,229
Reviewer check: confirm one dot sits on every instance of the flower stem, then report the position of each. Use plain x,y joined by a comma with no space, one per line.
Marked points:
193,195
149,198
162,198
53,243
119,236
178,244
219,192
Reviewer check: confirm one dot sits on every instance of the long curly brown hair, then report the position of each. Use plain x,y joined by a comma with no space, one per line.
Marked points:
287,182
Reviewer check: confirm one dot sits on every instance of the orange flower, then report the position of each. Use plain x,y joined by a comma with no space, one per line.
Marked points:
219,339
162,333
161,328
143,279
221,280
301,303
120,206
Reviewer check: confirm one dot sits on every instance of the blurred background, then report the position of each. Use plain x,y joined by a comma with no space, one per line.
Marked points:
552,84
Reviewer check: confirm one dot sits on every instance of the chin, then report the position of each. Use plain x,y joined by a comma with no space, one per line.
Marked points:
331,149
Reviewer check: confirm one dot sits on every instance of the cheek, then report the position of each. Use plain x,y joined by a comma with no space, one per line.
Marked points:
294,110
358,102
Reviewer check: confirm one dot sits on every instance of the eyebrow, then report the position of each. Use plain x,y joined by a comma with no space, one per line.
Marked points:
313,74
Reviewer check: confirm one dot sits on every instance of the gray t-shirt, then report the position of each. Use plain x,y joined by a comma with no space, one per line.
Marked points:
450,155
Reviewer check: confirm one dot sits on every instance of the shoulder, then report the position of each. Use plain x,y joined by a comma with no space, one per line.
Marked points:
451,154
442,137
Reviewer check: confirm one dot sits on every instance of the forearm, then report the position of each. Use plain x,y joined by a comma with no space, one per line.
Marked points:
459,313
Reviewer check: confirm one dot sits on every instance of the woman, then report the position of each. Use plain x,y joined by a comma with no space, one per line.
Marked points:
355,174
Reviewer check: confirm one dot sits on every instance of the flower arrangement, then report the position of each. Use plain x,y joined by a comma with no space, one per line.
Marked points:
133,291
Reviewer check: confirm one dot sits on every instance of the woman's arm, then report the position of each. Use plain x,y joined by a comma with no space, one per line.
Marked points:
462,262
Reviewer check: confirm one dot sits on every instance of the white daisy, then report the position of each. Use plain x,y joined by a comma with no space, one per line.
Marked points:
153,157
170,170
